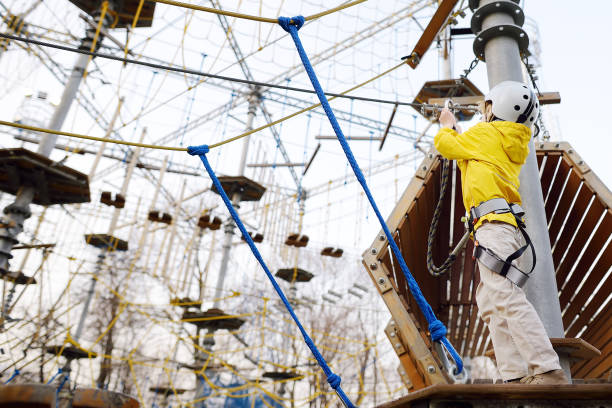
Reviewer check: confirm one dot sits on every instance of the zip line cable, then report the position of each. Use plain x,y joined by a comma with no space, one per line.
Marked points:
215,76
251,17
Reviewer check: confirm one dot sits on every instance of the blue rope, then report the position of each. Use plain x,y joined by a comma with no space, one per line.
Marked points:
333,379
436,327
59,388
59,371
15,374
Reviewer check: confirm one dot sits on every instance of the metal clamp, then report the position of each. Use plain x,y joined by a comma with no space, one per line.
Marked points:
505,30
450,368
505,6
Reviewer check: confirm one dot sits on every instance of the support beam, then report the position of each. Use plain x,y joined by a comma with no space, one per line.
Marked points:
431,31
502,55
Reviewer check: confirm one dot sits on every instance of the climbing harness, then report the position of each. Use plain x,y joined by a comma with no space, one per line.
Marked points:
436,327
490,259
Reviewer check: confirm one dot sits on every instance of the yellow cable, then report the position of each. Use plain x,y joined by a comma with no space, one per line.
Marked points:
251,17
97,139
276,122
184,149
96,35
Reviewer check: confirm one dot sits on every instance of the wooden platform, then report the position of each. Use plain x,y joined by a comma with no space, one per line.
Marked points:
41,396
125,11
248,189
494,395
54,182
579,212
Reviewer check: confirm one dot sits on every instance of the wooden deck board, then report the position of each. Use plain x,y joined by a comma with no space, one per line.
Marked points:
504,392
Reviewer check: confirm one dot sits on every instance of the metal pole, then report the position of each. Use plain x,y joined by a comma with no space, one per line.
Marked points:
228,229
253,98
111,126
503,64
103,253
19,210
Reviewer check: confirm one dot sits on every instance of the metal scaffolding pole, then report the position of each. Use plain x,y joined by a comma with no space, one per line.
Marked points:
19,210
229,224
503,38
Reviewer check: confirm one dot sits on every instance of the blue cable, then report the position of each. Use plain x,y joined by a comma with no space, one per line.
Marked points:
436,327
15,374
333,379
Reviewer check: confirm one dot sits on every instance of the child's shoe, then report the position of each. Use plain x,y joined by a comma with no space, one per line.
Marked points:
550,377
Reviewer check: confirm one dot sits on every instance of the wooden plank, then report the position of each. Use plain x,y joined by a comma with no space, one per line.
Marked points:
601,321
473,316
411,336
484,342
497,392
588,312
598,240
575,347
591,281
466,302
571,225
550,167
586,229
474,311
415,379
557,186
563,206
431,31
547,98
596,367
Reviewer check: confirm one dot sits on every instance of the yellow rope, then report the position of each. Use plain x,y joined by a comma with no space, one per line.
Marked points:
96,35
97,139
276,122
184,149
251,17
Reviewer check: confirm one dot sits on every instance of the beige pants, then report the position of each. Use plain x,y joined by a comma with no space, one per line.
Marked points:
521,344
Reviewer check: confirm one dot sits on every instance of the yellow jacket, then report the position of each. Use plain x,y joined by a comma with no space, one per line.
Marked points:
490,156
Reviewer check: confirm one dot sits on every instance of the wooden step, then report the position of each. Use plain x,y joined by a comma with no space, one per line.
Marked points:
493,395
575,349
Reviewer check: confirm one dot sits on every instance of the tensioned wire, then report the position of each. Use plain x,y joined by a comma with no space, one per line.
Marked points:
182,149
255,18
216,76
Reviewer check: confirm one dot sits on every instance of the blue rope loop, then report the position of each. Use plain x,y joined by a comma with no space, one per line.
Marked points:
333,379
59,371
437,329
15,374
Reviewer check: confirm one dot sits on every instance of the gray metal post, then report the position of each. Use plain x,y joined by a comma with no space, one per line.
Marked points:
19,210
111,231
228,229
504,63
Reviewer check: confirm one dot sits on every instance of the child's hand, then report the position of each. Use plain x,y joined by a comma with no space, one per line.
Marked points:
447,119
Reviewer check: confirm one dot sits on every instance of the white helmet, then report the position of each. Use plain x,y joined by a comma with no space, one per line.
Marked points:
514,102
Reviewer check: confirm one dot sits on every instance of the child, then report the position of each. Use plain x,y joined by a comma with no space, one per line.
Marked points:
490,156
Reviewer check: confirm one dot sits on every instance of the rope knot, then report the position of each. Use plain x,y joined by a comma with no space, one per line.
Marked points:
334,380
437,330
287,22
198,150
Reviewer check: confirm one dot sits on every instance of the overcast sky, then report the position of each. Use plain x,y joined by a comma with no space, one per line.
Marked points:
576,62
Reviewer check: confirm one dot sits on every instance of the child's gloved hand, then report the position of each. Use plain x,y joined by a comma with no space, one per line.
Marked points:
447,119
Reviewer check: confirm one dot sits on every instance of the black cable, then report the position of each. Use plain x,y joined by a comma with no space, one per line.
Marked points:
433,228
204,74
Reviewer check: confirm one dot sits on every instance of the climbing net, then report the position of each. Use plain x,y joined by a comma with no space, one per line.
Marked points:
136,338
